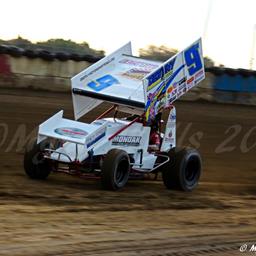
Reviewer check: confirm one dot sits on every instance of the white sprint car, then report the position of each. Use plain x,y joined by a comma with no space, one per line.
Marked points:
112,149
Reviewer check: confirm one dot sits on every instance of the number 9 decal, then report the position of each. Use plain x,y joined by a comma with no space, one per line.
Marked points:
193,59
102,83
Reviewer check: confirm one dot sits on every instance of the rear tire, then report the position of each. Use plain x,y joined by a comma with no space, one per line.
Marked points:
36,167
115,170
183,170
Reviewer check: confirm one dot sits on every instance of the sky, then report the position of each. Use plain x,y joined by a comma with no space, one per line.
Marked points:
226,26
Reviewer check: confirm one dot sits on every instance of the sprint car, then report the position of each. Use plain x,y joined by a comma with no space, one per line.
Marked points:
113,149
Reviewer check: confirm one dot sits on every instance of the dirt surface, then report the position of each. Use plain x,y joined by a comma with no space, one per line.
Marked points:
69,216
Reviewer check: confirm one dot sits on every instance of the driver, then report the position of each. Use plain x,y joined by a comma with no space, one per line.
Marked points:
155,138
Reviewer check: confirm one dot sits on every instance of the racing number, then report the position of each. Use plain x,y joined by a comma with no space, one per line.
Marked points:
103,82
193,59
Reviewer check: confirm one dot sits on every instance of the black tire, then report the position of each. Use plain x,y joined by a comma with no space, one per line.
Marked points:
36,167
62,56
45,55
183,170
30,54
115,170
75,57
3,49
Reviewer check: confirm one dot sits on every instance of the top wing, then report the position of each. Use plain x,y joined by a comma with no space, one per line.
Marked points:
136,83
173,78
117,78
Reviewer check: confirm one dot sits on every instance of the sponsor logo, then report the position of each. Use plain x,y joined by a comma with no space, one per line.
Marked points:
170,89
169,140
135,73
71,132
168,68
171,99
95,137
181,87
98,123
126,140
199,76
199,79
190,80
96,69
155,78
182,81
174,92
171,125
173,117
140,64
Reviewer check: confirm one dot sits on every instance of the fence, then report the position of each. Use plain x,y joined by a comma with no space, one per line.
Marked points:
52,71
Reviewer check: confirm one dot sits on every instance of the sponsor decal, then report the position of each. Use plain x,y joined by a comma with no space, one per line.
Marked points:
173,117
139,64
199,74
97,68
71,132
171,125
170,90
164,72
181,89
174,92
199,79
168,68
95,137
137,74
170,101
190,80
122,140
98,122
155,78
169,140
151,107
182,80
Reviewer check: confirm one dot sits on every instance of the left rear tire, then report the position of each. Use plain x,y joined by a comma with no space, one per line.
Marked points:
183,170
35,165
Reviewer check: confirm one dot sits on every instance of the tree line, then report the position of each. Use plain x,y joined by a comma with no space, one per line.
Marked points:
152,52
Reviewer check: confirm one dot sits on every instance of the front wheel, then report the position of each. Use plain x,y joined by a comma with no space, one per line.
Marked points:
183,170
35,165
115,170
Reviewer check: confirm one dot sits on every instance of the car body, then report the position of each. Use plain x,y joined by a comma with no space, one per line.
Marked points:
111,148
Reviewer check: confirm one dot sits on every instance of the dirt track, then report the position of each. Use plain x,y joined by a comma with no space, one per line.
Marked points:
69,216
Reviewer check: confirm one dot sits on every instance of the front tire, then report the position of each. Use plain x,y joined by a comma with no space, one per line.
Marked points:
115,170
183,170
35,165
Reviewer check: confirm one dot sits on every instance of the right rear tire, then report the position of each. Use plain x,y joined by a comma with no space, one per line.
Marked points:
115,170
183,170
